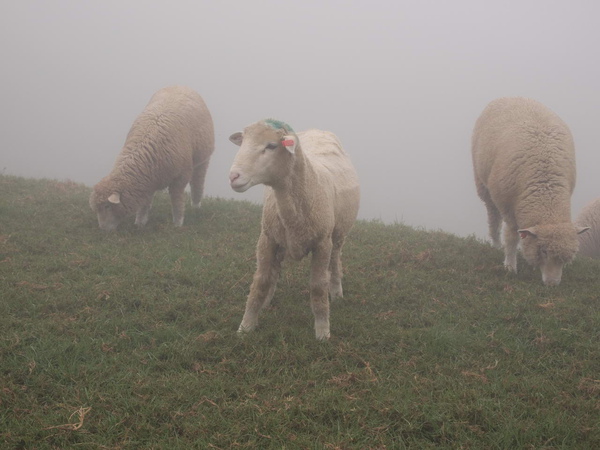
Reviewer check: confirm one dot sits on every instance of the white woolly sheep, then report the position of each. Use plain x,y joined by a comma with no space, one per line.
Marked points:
311,202
168,145
589,243
524,164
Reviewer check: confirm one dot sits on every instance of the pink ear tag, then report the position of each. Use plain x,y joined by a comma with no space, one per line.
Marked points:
289,144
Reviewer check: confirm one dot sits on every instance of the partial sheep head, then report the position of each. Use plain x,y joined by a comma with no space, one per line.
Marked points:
550,247
109,209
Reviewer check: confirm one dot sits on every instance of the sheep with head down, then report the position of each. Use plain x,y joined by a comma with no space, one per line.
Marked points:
589,243
311,202
524,164
168,145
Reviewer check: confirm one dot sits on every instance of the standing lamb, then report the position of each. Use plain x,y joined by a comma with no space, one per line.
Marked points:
168,145
311,202
524,163
589,243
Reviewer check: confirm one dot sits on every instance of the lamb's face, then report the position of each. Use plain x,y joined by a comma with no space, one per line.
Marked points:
262,157
550,247
109,210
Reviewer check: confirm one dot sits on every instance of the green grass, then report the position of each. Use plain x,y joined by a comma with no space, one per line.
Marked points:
128,340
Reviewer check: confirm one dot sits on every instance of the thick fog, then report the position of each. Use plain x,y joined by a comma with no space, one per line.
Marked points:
400,82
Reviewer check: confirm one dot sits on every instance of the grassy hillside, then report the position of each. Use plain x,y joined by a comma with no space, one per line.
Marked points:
128,340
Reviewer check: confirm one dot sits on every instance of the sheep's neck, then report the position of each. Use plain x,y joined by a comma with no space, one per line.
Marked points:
294,196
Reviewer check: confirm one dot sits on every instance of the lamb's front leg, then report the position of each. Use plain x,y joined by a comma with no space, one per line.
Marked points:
177,194
268,265
319,288
141,217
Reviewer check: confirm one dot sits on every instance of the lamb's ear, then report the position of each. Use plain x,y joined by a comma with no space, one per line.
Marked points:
289,142
527,232
236,138
115,198
581,229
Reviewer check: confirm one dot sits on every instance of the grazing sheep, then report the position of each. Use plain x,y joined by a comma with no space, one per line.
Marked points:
168,145
589,243
311,202
524,163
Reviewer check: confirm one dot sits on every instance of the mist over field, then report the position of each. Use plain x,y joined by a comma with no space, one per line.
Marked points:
401,84
128,339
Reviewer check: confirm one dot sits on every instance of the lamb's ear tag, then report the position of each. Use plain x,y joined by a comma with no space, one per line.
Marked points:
527,232
289,143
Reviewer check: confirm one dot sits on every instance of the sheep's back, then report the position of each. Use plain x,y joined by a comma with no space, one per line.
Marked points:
173,133
328,157
516,140
335,171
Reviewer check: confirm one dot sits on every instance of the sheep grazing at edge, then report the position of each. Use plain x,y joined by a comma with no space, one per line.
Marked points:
589,243
311,201
524,164
168,145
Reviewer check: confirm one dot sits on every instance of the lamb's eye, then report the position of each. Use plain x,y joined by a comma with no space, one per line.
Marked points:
271,146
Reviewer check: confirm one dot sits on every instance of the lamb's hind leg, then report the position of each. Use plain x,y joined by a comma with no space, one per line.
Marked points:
335,269
319,288
268,265
197,183
494,216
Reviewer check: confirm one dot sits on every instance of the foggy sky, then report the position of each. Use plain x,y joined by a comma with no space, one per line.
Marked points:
400,82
